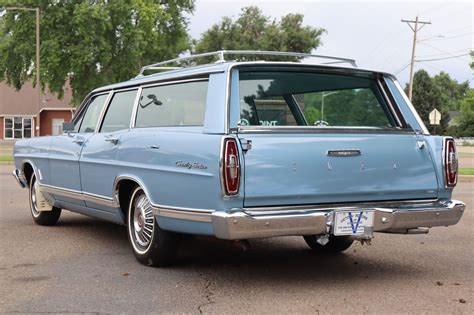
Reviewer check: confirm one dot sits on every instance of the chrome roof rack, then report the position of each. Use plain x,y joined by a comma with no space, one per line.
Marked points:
221,58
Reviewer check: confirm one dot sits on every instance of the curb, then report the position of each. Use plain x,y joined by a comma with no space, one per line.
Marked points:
466,178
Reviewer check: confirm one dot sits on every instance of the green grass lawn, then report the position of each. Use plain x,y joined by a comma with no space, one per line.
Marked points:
6,158
466,171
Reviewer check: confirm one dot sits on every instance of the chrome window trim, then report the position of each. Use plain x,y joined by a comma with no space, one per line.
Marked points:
135,107
162,83
389,103
102,112
157,80
228,99
320,130
109,101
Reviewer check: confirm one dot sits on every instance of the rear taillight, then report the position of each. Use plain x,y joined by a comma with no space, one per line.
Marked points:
450,162
230,167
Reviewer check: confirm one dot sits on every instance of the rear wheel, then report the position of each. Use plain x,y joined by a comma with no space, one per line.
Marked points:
151,245
336,244
46,218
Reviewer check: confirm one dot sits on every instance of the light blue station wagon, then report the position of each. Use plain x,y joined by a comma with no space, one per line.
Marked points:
246,149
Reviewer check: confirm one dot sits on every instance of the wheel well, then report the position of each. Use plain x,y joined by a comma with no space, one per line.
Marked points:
125,189
28,171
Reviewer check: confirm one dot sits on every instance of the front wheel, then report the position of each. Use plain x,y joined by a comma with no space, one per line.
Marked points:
335,245
45,218
151,245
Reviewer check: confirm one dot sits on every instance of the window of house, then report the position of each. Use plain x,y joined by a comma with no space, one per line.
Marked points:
181,104
57,126
17,127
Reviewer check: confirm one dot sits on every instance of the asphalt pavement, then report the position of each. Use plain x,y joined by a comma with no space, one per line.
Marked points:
84,265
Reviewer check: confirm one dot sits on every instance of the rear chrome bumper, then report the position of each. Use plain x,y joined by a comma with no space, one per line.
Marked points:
20,178
403,217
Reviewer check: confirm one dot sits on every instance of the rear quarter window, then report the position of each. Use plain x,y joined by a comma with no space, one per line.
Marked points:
181,104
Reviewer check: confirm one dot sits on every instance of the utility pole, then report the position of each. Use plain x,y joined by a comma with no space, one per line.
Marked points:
415,26
38,87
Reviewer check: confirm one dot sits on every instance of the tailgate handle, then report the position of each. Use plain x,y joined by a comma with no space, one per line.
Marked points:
344,153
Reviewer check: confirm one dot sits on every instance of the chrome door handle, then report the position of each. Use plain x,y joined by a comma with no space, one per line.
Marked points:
79,141
112,140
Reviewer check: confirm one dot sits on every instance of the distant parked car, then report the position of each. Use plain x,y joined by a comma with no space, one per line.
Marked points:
242,150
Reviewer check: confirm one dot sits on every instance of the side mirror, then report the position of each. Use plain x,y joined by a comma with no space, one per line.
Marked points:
153,98
68,127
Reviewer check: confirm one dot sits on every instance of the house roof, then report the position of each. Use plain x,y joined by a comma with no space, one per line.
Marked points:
25,101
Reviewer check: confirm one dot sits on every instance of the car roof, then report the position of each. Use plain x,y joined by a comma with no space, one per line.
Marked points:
206,69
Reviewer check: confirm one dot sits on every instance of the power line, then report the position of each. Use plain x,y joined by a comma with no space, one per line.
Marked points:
443,51
406,66
442,54
451,37
415,26
431,66
451,57
437,7
458,29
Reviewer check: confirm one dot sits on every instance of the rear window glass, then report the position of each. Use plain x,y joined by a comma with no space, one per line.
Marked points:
181,104
311,99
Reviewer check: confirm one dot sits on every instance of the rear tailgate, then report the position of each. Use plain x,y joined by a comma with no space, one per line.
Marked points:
311,168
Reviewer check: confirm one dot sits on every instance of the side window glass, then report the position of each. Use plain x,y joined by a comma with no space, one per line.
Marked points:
91,115
119,112
180,104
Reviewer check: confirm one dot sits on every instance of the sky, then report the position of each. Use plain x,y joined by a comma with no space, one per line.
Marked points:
371,32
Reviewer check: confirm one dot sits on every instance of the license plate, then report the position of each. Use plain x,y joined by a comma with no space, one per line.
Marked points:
352,222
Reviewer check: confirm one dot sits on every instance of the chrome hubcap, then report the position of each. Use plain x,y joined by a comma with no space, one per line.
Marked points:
34,207
143,222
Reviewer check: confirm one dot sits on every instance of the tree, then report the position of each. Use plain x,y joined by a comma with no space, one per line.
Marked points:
472,57
254,31
451,91
466,120
90,43
426,97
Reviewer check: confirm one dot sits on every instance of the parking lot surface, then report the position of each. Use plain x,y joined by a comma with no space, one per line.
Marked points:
84,265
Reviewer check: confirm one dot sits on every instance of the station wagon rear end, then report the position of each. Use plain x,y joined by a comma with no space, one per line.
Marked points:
241,150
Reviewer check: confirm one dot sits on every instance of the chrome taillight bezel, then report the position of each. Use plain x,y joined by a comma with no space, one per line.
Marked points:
450,163
230,167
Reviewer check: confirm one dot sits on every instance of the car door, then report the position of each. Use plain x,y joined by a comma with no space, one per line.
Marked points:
66,149
97,163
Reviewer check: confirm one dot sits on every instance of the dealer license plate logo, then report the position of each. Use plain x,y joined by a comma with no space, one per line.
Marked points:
352,222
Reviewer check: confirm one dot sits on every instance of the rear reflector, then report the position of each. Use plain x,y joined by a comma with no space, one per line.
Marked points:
450,162
230,167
